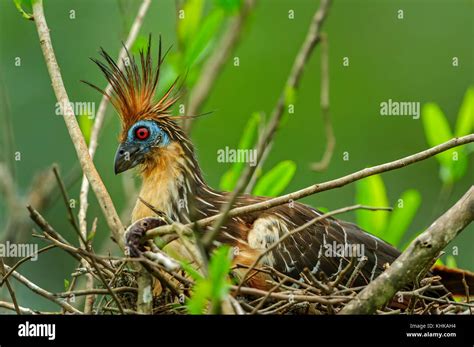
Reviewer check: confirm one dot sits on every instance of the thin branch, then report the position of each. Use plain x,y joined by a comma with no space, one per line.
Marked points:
77,138
95,291
320,187
65,195
23,310
216,61
9,287
99,119
42,292
330,138
289,297
415,258
312,38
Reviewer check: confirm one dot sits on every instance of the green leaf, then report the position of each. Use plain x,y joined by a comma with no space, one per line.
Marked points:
189,24
276,180
437,130
323,209
371,191
202,40
219,267
19,6
247,141
191,271
91,235
465,121
85,123
214,288
198,301
402,216
66,284
229,6
451,262
459,163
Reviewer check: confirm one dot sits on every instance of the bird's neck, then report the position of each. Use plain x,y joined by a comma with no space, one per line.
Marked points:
171,180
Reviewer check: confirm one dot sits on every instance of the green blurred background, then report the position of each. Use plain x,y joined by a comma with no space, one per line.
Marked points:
402,60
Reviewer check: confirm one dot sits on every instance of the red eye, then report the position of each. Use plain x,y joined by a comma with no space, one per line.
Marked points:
142,133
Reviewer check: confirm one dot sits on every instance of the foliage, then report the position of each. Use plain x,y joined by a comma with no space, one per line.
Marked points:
272,183
453,162
208,292
450,262
19,4
390,227
85,123
276,180
247,140
230,6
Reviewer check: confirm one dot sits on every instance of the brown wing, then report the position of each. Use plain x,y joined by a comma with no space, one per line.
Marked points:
326,246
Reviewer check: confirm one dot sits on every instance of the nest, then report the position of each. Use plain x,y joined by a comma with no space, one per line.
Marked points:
307,296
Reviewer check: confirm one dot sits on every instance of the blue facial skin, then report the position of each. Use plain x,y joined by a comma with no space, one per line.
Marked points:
133,150
158,137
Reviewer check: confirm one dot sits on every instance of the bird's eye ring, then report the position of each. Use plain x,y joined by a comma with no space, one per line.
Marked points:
142,133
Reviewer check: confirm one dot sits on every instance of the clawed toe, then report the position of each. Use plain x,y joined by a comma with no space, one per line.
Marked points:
134,234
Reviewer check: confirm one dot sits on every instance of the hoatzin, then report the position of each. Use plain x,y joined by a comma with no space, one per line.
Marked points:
173,183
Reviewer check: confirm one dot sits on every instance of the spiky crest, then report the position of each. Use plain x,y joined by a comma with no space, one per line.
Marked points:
134,87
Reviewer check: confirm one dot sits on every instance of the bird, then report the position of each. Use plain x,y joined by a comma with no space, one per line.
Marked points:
153,142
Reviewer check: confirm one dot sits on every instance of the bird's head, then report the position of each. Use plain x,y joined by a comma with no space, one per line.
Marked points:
148,129
143,140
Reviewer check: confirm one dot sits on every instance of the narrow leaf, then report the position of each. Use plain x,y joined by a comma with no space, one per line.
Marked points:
85,123
247,141
66,284
465,122
275,181
203,38
437,130
402,216
371,191
191,271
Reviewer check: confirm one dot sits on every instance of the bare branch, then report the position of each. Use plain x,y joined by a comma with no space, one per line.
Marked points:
42,292
330,138
9,287
23,310
77,138
415,259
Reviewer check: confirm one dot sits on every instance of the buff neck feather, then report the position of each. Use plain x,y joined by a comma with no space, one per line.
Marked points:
167,181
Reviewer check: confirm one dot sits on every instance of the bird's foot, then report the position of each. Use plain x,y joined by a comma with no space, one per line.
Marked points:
134,243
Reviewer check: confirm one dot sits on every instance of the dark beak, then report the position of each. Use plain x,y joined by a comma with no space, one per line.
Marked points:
127,157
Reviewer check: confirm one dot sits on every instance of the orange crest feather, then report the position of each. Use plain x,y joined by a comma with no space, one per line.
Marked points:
133,87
